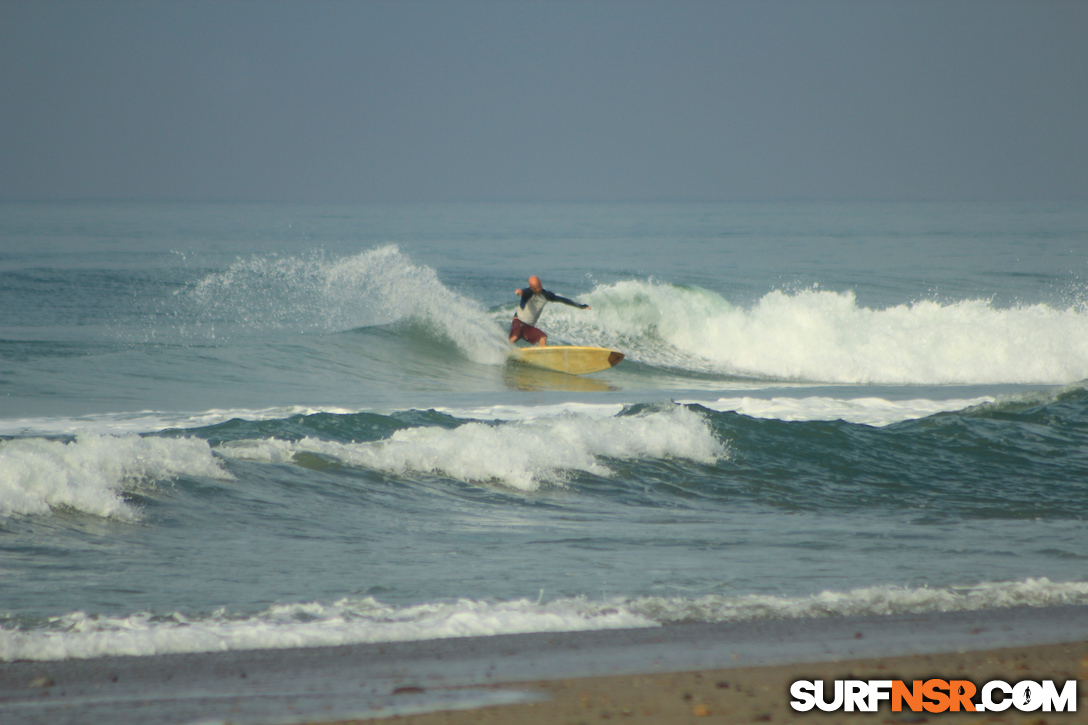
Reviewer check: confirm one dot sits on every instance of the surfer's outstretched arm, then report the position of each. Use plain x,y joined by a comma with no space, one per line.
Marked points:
552,297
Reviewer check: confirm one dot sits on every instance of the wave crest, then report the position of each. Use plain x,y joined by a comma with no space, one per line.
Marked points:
90,473
821,336
323,294
521,454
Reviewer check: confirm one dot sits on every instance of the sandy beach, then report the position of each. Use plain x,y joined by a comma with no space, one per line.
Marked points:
761,694
730,672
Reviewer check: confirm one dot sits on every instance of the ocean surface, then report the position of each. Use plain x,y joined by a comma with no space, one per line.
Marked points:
241,426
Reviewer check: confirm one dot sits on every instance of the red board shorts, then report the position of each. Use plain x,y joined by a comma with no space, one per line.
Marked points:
520,331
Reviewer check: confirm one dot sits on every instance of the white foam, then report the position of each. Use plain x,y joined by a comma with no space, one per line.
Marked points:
326,294
313,624
150,421
90,473
875,600
520,454
351,621
529,412
866,411
816,335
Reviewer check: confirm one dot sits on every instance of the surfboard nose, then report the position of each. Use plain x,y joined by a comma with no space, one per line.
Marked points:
614,358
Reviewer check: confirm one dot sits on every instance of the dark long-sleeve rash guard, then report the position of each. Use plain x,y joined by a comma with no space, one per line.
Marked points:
533,302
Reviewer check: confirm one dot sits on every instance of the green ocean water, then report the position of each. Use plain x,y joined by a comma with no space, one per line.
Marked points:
248,426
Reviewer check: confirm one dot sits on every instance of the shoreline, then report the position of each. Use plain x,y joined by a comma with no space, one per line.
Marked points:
483,677
761,694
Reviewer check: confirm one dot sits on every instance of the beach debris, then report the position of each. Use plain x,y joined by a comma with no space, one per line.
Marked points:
701,710
43,681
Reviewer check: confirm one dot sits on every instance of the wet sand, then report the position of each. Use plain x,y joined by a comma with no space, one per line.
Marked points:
731,672
761,694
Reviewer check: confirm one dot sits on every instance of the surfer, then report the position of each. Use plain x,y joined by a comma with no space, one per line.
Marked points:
532,302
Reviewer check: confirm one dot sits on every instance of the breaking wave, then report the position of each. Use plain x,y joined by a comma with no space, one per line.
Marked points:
821,336
521,454
92,472
360,620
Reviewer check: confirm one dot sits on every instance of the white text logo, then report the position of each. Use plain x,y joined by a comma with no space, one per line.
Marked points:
934,696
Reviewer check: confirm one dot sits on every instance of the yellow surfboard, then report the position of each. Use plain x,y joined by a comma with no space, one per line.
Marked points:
568,358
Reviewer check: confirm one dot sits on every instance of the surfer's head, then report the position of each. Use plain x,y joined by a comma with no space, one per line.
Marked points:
534,284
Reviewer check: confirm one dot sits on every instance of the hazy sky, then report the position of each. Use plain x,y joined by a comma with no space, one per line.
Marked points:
457,100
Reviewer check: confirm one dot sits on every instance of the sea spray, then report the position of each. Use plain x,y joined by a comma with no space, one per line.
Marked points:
321,293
